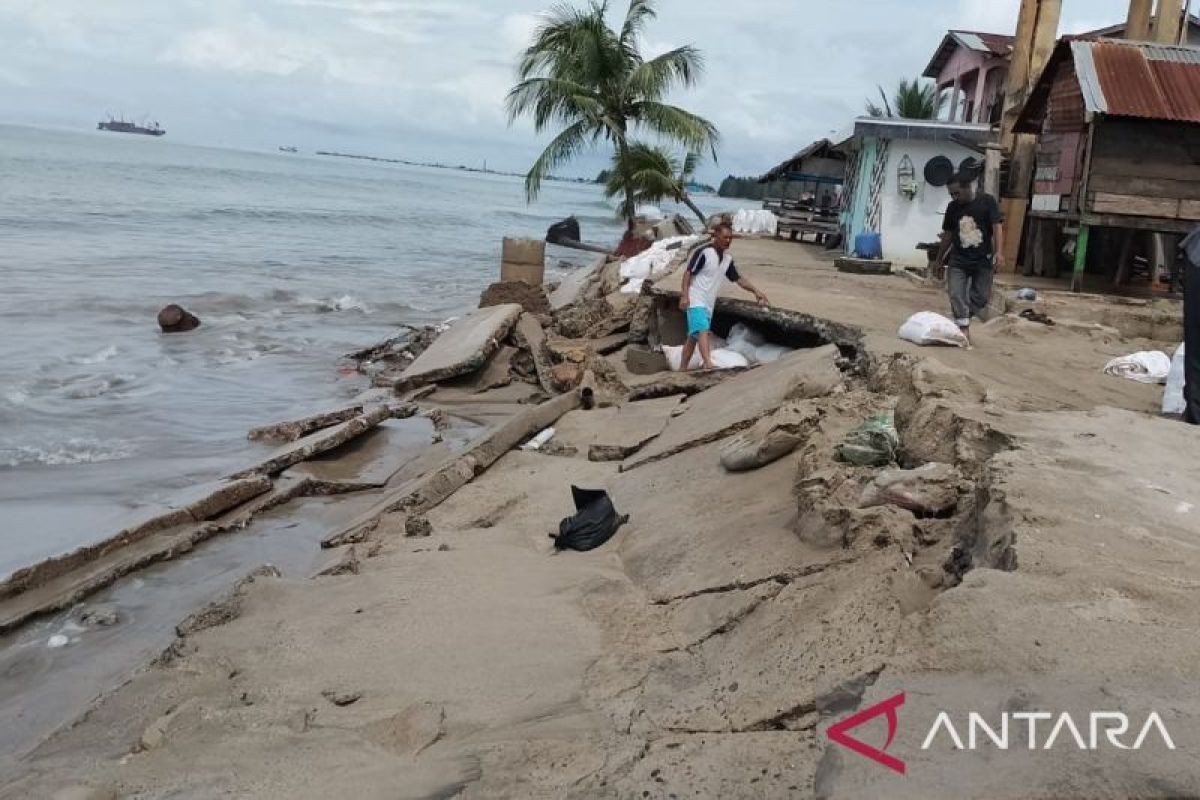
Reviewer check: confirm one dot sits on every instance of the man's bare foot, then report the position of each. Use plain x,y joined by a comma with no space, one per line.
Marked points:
966,332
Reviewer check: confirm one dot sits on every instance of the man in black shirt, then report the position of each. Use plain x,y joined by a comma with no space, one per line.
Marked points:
972,236
1191,328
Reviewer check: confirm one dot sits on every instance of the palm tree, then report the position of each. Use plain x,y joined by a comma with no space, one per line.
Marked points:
913,100
592,79
654,175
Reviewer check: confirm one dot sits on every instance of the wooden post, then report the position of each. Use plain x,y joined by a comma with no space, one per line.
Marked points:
991,170
1137,27
1081,251
1018,73
1168,22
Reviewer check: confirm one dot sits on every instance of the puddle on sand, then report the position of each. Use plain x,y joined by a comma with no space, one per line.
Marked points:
43,687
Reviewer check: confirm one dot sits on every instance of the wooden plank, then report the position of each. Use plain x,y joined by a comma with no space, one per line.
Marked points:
1189,209
1182,170
1132,205
1146,187
1156,224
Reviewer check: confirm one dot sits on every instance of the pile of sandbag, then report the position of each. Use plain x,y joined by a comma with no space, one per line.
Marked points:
722,357
653,263
755,221
753,346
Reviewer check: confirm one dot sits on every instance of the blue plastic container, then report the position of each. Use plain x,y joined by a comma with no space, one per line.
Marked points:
868,245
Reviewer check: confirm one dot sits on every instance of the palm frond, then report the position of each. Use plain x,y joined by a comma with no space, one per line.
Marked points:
573,141
553,99
679,68
690,163
677,125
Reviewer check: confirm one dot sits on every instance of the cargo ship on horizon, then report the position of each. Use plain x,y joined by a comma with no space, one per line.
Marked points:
121,126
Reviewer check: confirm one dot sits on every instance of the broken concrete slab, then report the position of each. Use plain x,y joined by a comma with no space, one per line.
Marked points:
210,500
368,462
740,402
578,351
532,337
296,429
496,374
745,536
430,490
613,434
320,442
642,361
574,285
464,348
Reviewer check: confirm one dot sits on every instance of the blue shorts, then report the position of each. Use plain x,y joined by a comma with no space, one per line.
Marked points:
699,322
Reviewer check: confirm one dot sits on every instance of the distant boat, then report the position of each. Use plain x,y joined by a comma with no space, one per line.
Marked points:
121,126
288,149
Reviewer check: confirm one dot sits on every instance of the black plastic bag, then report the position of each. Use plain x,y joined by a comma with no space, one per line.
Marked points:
595,522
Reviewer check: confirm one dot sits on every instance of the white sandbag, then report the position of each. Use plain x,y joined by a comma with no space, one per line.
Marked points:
745,340
1173,402
1148,366
755,221
927,328
770,353
655,262
722,359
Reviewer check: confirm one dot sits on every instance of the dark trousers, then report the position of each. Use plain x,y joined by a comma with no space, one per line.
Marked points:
1191,338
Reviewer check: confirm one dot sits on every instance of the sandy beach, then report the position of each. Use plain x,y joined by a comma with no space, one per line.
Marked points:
707,648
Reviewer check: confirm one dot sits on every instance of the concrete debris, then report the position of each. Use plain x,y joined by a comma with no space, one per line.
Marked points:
99,617
464,348
771,438
345,561
227,609
323,441
531,298
417,526
297,429
532,338
738,403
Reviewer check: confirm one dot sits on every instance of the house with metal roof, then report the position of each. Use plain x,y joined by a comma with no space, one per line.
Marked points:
972,68
1118,157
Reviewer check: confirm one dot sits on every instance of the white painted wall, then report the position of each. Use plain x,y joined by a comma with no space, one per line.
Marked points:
907,223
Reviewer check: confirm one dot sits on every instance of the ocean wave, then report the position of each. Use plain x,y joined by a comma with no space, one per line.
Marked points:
73,450
98,387
99,357
346,302
289,216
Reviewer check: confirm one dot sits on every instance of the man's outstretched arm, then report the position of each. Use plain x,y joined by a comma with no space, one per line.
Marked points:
752,289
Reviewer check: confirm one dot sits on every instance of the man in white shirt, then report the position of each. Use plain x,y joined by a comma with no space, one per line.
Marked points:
702,280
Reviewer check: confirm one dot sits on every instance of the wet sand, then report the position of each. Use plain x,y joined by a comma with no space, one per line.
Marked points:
707,648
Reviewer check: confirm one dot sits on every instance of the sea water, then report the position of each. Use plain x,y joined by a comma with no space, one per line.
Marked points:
290,261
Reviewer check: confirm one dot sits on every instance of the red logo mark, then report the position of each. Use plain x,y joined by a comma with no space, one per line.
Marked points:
838,733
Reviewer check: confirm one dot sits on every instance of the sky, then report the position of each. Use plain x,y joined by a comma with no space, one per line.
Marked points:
425,80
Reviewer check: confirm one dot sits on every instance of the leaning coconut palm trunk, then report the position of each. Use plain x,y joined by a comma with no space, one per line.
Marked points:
590,81
648,174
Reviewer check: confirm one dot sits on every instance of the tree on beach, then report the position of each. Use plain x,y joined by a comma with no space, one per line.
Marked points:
592,80
912,100
654,175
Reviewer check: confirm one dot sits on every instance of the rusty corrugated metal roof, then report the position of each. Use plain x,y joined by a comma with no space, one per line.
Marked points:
1139,79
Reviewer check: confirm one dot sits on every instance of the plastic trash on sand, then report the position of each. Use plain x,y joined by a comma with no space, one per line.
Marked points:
721,358
539,441
595,522
875,443
1147,366
1173,402
927,328
1027,295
